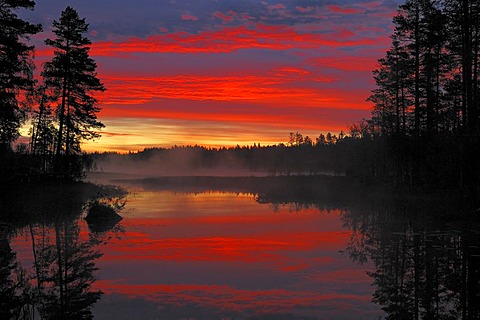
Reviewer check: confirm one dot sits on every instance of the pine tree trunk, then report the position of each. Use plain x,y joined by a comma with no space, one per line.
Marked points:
60,126
467,68
62,109
417,70
58,242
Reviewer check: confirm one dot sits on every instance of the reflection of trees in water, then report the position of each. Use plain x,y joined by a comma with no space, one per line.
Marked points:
65,272
424,269
15,290
59,286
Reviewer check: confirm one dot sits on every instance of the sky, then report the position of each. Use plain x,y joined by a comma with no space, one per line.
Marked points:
226,72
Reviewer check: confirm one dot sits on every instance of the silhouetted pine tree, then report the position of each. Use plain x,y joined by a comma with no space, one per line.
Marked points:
15,66
72,73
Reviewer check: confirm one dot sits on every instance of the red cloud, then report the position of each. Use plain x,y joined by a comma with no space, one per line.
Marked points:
246,17
248,88
286,70
188,17
278,6
228,39
279,118
338,9
371,5
304,10
225,17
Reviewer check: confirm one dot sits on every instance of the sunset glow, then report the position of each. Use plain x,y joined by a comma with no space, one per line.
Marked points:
227,72
239,159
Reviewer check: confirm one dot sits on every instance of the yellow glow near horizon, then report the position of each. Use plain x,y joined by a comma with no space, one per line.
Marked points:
125,135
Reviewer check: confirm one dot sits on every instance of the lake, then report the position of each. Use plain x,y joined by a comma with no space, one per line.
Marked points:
188,248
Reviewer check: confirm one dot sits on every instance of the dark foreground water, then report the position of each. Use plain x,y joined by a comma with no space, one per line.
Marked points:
187,251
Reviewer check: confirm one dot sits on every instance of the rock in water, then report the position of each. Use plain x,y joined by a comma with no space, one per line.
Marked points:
101,217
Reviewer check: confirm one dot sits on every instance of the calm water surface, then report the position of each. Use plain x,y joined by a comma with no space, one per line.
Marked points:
276,248
221,255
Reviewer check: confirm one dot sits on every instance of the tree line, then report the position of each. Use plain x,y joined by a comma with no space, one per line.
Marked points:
61,104
299,155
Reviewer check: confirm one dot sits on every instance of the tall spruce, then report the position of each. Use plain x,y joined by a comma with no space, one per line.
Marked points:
16,66
391,96
72,76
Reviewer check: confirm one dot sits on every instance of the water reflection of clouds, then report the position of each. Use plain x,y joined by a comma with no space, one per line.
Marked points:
225,300
226,255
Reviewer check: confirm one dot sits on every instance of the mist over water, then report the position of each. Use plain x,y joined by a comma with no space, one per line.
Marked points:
234,162
184,162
